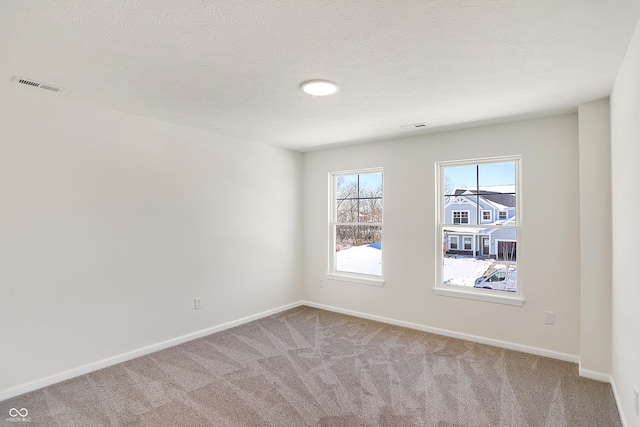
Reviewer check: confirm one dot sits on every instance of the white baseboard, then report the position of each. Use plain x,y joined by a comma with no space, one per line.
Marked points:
100,364
594,375
616,396
474,338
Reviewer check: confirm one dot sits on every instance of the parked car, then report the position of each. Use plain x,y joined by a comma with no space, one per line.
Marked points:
502,279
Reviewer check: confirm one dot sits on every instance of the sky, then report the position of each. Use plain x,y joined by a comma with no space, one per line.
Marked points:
490,174
371,180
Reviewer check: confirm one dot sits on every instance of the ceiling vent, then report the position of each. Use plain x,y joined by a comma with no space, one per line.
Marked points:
37,84
413,126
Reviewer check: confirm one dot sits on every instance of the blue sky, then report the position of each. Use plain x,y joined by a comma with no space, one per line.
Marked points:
371,180
489,173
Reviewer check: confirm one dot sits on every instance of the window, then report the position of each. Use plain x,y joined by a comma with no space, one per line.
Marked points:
498,277
461,217
355,226
478,259
467,243
453,242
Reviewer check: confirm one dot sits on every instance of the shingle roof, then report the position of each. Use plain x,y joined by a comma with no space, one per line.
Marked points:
504,199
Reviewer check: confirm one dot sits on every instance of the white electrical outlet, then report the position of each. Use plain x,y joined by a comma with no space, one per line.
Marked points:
197,303
549,318
321,283
636,401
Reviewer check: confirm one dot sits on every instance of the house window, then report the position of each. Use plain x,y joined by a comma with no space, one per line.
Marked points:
468,191
453,242
467,243
355,226
461,217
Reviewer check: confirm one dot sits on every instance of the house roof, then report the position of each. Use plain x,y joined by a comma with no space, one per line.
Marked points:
504,199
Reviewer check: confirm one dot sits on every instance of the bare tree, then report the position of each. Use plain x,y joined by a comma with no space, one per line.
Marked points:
445,243
448,186
347,211
370,212
360,206
509,256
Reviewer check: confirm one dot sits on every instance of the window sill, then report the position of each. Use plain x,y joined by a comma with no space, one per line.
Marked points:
363,280
498,297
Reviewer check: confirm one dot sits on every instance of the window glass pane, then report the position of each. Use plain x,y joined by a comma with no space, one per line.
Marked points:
458,217
359,249
370,197
486,257
478,188
497,174
497,186
458,177
451,242
370,183
467,243
347,198
359,198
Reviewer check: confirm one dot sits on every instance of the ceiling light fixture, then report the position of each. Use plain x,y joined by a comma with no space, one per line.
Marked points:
319,87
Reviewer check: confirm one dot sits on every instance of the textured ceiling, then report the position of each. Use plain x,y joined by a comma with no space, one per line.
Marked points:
235,67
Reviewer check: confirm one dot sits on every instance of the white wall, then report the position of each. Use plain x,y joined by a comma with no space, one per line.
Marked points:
625,155
595,239
548,248
111,224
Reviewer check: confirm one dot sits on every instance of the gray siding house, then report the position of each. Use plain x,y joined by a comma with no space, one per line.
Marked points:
479,211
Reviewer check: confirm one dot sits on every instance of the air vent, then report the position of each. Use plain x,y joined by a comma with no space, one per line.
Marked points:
413,126
37,84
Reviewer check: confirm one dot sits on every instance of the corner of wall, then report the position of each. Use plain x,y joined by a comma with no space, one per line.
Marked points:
595,238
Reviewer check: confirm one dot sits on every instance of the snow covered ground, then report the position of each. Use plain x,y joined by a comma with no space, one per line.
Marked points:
463,271
360,259
368,260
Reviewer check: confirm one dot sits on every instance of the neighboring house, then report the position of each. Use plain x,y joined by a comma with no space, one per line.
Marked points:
483,209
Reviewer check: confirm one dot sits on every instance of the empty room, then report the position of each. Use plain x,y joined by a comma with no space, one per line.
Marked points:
319,213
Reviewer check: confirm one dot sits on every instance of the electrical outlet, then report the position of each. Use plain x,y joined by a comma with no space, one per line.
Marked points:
321,283
636,401
549,318
197,303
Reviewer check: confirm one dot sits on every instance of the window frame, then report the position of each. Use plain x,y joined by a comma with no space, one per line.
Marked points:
461,212
464,243
486,211
451,238
488,295
501,213
344,276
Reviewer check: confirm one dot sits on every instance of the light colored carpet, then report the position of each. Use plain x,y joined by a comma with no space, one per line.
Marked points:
309,367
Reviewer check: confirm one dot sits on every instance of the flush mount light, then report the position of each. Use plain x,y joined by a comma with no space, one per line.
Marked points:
319,87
